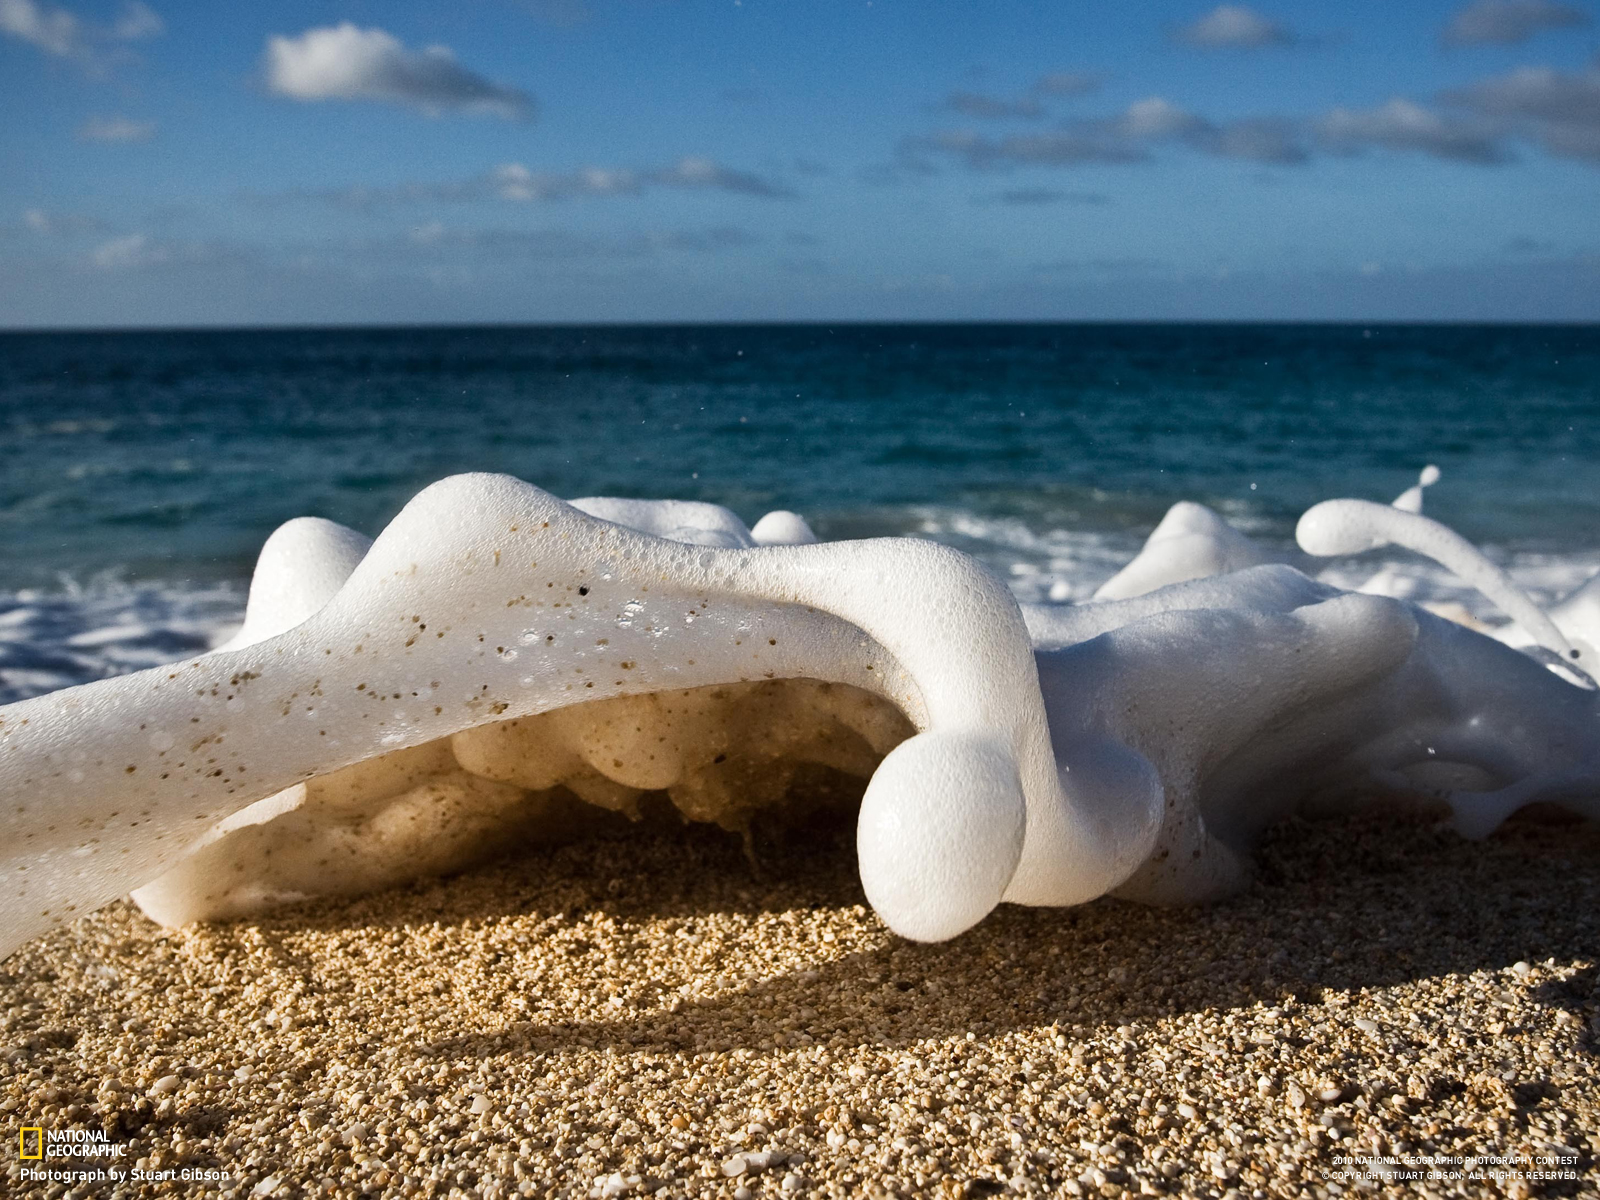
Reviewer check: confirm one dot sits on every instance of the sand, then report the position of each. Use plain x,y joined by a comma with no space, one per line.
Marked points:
648,1016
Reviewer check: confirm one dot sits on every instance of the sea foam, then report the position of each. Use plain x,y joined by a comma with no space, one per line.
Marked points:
499,662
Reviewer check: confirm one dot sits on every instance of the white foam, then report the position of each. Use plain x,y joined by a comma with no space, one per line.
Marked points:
496,652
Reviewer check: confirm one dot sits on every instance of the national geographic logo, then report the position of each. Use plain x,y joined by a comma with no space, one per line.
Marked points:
34,1142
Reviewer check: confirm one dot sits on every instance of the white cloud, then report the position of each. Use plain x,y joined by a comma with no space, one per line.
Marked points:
1124,138
1559,109
1508,22
344,62
1260,139
1154,117
1233,25
513,181
516,182
116,129
59,32
1404,125
53,30
131,250
58,224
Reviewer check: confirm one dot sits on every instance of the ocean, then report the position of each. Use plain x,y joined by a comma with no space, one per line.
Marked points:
141,471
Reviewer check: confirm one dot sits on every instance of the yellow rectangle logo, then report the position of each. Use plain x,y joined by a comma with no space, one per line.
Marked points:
38,1141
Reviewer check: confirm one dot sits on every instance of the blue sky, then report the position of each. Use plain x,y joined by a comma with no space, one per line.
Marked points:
663,160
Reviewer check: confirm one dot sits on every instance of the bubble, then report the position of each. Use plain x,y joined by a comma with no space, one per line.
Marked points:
630,610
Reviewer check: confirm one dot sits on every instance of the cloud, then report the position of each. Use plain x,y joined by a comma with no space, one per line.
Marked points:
698,172
1234,26
138,22
1261,139
1404,125
1124,138
1069,83
116,129
552,245
1560,110
1057,148
52,224
515,182
59,32
344,62
128,251
53,30
1509,22
1154,117
989,108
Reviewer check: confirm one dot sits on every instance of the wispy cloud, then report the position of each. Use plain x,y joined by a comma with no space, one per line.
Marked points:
62,33
1509,22
1405,125
1124,138
1155,117
989,108
137,22
53,30
699,172
116,129
1259,139
344,62
56,224
1054,148
552,245
518,183
130,250
1558,109
1234,26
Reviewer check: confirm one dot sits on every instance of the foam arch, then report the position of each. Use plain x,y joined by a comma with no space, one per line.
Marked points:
482,602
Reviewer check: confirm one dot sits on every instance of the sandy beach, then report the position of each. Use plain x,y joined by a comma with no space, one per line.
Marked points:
647,1015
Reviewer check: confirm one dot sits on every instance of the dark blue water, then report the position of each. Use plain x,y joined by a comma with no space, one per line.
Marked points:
156,463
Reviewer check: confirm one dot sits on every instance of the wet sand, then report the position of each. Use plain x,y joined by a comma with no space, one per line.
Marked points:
648,1016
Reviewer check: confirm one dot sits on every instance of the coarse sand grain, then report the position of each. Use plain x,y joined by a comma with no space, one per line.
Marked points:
652,1015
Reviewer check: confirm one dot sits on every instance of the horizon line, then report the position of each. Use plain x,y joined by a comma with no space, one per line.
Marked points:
822,323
